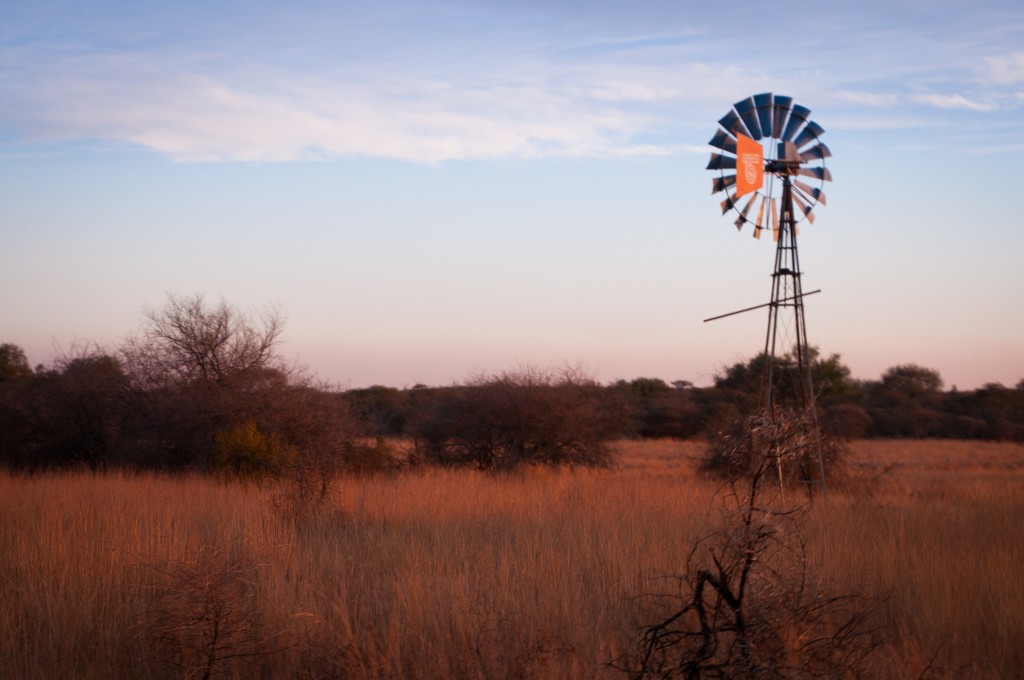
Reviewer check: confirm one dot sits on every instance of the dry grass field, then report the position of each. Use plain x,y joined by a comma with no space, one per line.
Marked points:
456,574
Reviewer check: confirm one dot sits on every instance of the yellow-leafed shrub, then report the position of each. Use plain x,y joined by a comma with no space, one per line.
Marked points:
244,451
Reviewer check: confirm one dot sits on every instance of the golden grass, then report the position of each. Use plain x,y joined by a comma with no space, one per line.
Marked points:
457,574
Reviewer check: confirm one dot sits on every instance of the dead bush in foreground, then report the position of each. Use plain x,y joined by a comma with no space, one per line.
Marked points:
747,606
206,618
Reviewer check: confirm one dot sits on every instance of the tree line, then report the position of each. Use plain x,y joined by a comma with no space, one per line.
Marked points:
203,386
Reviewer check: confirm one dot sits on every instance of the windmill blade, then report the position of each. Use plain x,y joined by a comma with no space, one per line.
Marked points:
797,118
721,162
732,122
817,151
760,218
782,108
805,209
748,112
810,133
808,197
748,206
763,102
728,204
811,193
787,152
818,172
724,141
775,220
743,213
722,183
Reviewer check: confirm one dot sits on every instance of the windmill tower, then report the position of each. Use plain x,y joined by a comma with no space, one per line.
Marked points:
768,151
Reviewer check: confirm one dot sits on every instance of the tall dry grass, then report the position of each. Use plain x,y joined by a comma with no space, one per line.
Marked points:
457,574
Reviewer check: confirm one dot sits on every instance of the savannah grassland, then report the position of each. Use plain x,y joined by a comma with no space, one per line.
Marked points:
456,574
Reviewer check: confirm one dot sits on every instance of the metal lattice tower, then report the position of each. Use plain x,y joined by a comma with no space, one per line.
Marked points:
786,338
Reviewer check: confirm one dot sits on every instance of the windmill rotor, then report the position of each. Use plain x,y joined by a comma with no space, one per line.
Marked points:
790,146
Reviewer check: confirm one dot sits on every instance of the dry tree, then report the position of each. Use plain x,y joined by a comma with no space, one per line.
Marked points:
747,605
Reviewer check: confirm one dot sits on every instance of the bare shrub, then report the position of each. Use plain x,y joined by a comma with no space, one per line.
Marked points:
788,442
516,418
206,618
747,606
326,444
190,341
198,369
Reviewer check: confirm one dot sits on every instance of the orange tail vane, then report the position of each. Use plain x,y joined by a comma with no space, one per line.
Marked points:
749,165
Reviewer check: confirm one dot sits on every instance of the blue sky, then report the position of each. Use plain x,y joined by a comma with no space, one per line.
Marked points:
430,189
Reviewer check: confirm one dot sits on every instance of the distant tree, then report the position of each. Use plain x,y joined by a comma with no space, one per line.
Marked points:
743,383
384,410
657,410
830,377
990,412
912,381
648,387
205,371
748,376
71,413
199,369
13,363
190,341
845,421
515,418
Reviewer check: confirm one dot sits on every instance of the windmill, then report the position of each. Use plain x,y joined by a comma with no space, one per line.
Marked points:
770,164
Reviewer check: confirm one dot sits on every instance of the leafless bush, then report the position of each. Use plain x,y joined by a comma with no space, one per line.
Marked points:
206,618
516,418
190,341
747,605
789,442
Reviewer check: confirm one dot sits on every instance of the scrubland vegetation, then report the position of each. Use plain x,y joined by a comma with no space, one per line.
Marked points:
458,573
188,505
202,386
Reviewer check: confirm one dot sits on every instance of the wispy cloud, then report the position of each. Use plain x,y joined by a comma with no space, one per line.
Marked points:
875,99
207,118
1005,69
429,89
999,149
951,101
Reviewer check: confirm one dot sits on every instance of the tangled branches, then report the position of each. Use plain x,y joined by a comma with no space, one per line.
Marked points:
747,606
788,445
